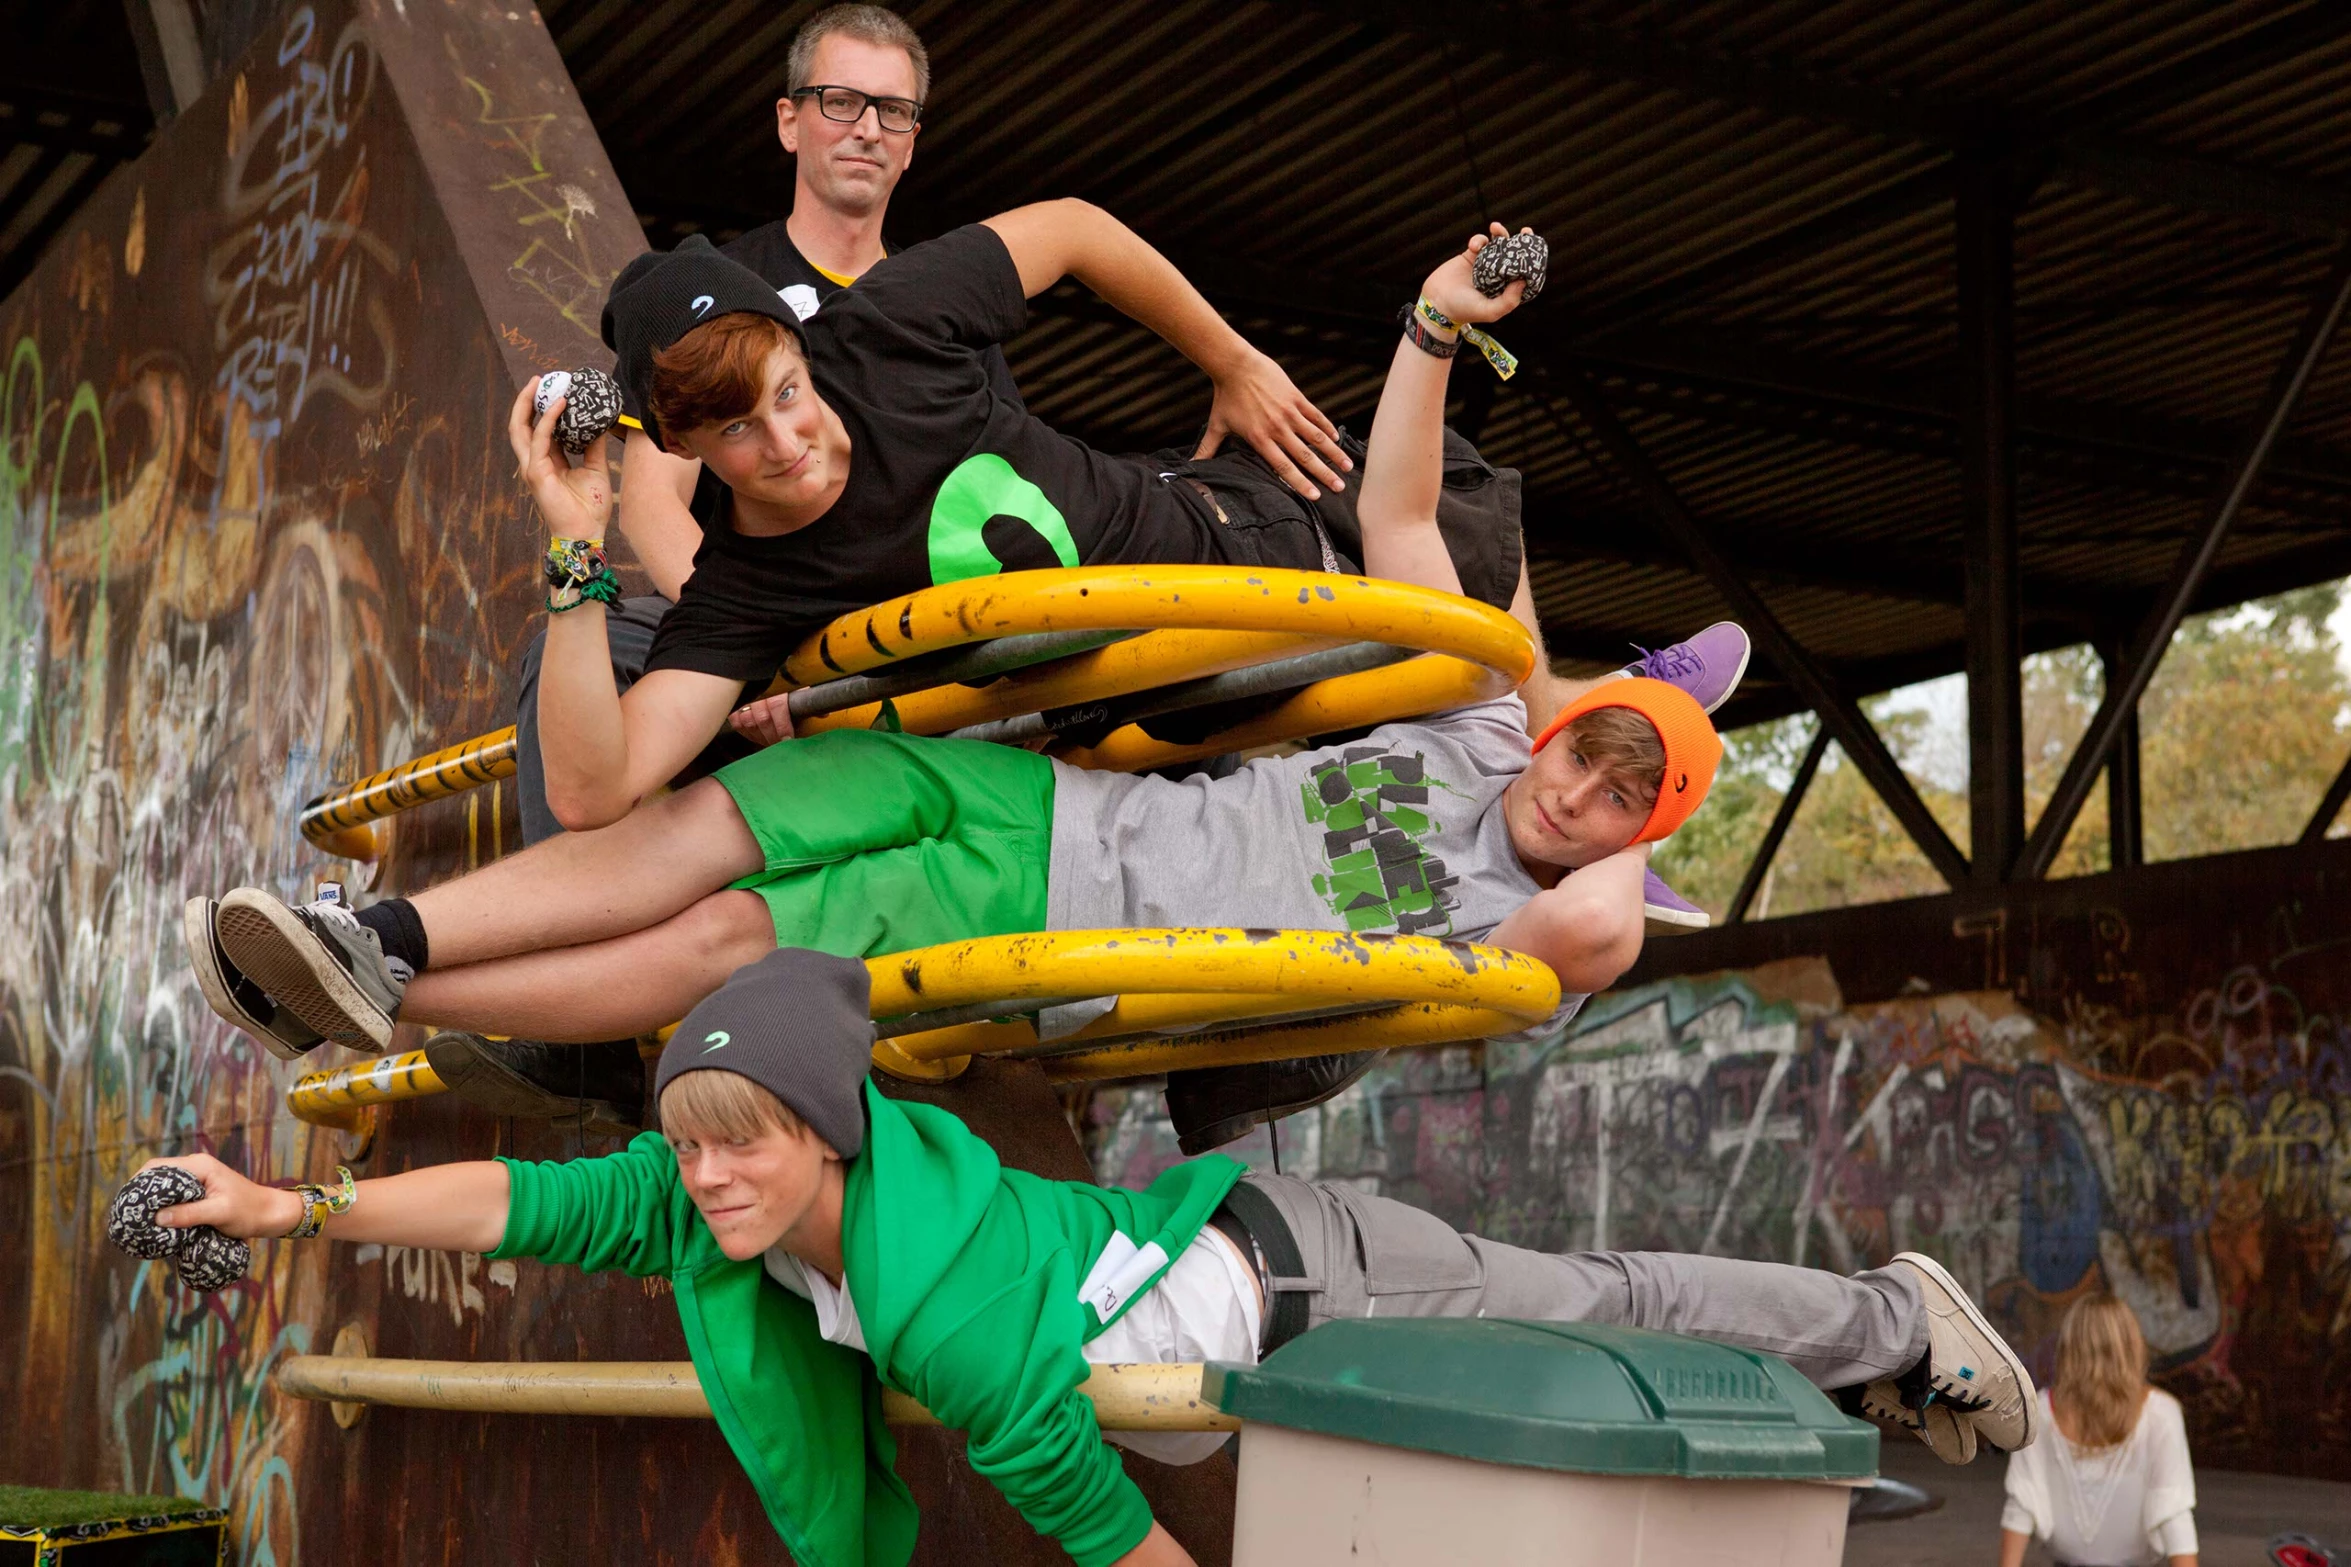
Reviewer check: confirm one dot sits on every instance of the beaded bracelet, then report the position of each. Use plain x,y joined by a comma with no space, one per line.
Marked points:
1505,362
318,1204
576,573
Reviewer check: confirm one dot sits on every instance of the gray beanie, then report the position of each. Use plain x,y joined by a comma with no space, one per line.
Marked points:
794,1023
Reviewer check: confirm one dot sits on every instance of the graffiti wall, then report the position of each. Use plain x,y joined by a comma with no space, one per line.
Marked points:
2139,1082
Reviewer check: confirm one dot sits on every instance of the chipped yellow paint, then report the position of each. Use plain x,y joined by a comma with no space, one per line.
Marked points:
1135,598
426,778
335,1097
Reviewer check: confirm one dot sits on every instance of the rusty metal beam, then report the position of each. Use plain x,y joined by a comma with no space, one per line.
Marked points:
2330,806
1838,714
2293,373
1791,802
1985,239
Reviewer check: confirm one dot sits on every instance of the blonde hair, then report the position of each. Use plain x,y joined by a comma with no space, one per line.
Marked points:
2101,1370
868,24
1619,740
710,1105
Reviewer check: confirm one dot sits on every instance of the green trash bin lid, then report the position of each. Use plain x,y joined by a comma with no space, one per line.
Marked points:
1553,1395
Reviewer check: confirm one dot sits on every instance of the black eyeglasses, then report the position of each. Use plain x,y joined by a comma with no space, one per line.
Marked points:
847,104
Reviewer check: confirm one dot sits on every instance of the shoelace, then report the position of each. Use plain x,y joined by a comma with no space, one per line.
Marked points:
1965,1400
1669,662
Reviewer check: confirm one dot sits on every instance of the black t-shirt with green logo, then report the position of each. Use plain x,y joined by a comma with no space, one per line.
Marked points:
947,478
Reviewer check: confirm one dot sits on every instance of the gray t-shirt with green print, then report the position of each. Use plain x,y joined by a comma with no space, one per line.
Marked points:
1401,833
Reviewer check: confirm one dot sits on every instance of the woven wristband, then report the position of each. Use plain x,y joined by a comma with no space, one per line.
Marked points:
1416,333
576,573
318,1204
1505,362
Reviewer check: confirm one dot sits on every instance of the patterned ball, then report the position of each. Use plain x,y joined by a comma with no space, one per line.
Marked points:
1513,256
206,1259
591,406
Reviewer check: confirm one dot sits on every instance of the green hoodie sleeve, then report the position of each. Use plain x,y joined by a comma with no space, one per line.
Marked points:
624,1211
1008,1376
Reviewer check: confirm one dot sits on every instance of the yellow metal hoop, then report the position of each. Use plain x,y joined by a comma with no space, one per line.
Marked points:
1195,622
1276,993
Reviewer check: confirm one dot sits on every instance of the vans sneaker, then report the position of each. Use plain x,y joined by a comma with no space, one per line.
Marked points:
1667,911
1708,665
1969,1368
233,997
1948,1434
317,960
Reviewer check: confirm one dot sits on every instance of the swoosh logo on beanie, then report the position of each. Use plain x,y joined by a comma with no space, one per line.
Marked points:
717,1040
703,302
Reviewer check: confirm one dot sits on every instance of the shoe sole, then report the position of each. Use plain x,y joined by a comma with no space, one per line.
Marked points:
204,960
489,1084
2024,1379
1673,922
275,950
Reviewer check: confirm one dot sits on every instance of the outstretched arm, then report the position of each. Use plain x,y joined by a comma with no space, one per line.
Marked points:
1589,927
446,1207
1254,396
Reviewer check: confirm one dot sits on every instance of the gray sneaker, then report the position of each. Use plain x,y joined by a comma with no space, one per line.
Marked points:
316,960
1970,1368
236,999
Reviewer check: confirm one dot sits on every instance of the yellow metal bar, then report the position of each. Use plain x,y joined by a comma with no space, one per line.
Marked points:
1143,598
332,1098
1126,1398
1430,684
1414,1024
1144,663
1311,965
426,778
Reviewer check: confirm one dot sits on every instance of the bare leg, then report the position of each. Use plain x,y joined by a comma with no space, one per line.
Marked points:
586,886
629,984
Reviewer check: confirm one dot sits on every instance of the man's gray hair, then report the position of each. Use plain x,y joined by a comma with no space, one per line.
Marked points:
867,24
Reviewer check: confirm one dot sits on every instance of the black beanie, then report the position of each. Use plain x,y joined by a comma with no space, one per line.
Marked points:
794,1023
662,295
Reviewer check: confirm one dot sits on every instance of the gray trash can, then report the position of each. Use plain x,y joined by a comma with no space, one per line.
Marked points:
1501,1443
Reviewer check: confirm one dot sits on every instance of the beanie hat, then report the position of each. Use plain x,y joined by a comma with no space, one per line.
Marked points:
662,295
794,1023
1692,749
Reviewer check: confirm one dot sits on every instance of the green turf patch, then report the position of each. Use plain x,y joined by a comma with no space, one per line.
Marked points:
25,1507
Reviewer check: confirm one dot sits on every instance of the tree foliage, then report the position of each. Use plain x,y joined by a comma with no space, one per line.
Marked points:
2244,725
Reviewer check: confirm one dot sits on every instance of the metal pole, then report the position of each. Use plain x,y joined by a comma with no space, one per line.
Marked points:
1752,882
1846,723
2126,822
2330,806
2293,373
1986,237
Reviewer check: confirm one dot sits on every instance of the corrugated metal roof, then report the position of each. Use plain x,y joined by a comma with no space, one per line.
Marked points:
1751,212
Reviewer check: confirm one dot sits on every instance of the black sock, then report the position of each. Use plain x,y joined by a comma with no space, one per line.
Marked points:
398,931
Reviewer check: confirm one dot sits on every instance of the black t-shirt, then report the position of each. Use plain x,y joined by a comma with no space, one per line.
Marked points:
948,478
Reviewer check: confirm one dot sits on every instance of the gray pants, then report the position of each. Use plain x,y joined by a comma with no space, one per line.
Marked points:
1368,1256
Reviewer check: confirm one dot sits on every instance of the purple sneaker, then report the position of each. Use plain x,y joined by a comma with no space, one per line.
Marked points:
1708,665
1669,913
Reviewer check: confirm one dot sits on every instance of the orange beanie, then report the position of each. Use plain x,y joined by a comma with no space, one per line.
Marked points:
1692,749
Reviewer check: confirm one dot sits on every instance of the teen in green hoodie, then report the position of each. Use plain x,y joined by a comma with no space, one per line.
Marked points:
824,1242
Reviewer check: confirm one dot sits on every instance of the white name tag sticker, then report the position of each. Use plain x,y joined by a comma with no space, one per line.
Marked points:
1121,1270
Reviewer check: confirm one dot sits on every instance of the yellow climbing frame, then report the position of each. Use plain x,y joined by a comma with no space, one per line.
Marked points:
1075,645
1176,998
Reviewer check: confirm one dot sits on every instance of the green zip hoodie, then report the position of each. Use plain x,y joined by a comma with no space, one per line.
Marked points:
966,1277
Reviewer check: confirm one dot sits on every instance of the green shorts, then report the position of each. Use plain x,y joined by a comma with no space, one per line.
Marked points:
882,843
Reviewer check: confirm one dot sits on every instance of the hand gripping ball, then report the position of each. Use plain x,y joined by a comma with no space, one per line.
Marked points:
591,406
207,1260
1512,256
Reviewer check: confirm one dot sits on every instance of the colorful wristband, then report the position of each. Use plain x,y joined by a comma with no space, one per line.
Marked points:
1505,362
1419,336
318,1203
576,573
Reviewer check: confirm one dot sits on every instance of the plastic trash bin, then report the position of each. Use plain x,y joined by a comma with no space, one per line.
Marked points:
1561,1443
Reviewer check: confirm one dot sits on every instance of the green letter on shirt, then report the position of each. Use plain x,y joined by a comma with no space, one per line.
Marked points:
982,488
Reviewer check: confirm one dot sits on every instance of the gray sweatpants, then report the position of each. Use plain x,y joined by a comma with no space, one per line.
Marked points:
1366,1256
